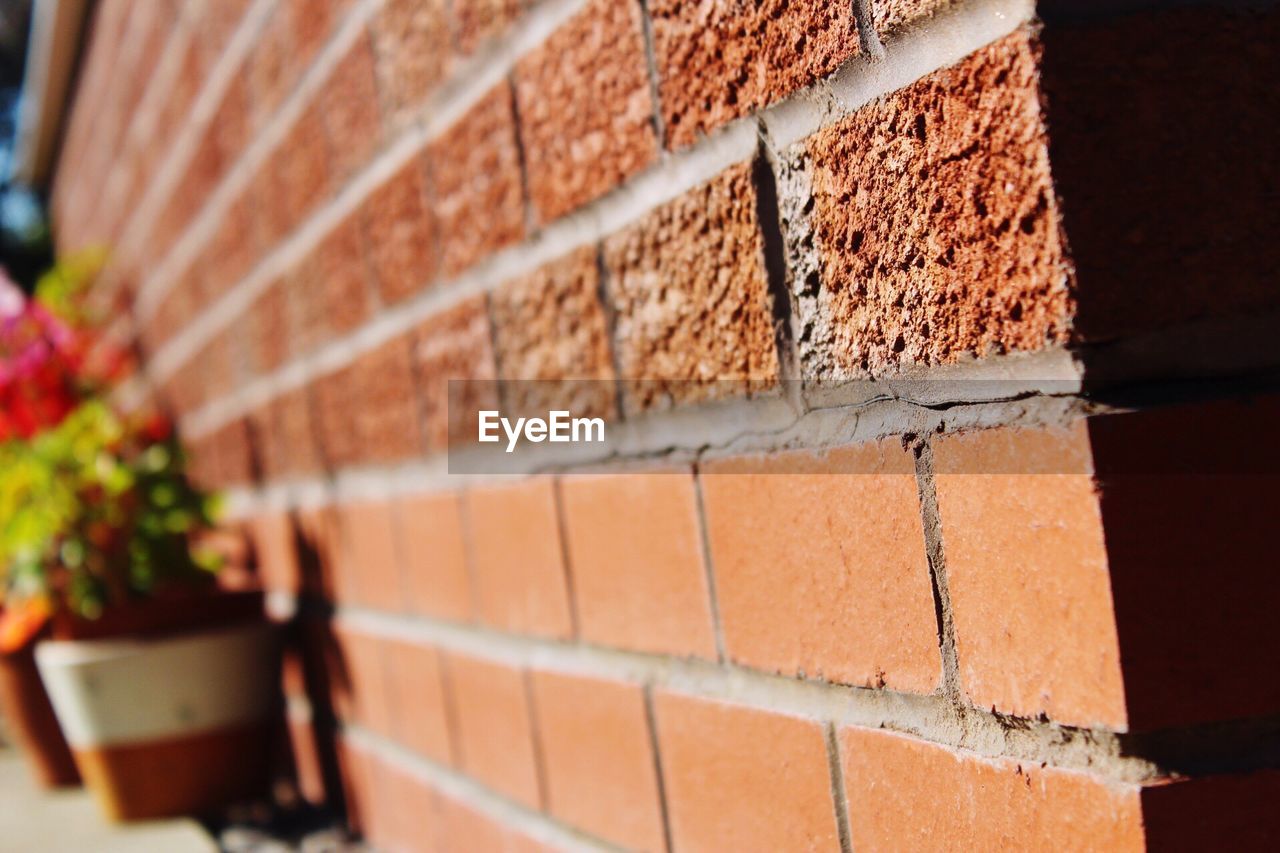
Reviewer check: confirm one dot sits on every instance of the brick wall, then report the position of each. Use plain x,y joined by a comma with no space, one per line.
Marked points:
928,611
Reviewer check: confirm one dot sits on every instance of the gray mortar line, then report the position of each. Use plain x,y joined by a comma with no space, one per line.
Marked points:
931,521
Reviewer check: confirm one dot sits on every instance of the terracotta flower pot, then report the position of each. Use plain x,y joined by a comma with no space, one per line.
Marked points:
27,710
163,723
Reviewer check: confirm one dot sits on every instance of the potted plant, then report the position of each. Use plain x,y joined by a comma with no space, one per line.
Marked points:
163,683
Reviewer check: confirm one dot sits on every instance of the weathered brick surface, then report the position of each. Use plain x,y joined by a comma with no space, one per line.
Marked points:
636,555
738,778
820,566
412,42
719,61
494,732
585,108
937,223
476,185
689,289
435,576
517,559
550,326
907,794
401,233
594,740
891,16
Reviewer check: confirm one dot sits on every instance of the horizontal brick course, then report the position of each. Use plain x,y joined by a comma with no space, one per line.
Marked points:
435,575
401,233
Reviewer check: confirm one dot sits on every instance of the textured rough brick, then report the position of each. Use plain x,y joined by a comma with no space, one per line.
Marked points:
550,326
401,234
232,123
820,565
370,557
271,66
494,733
336,277
1046,643
435,565
360,680
269,318
339,440
516,558
273,547
454,344
349,102
412,42
476,21
295,177
233,248
908,794
386,419
636,555
297,435
598,760
475,182
585,108
738,778
689,290
937,224
718,61
891,16
421,721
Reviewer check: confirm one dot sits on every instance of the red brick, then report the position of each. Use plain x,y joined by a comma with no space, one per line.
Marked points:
719,61
386,418
551,337
466,828
401,234
233,248
938,223
370,558
738,778
295,177
311,22
435,568
233,120
266,439
586,114
271,67
909,794
454,344
297,436
690,295
1045,641
274,551
319,549
820,566
360,680
635,552
477,21
412,41
334,394
517,560
476,185
493,733
600,771
269,318
349,101
418,710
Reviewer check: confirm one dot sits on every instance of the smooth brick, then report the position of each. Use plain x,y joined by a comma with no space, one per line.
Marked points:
412,42
494,733
477,21
475,183
352,116
906,794
370,563
690,295
412,810
820,565
517,559
719,61
386,417
586,114
418,711
454,344
1044,639
600,771
635,553
360,680
552,339
401,234
937,223
466,828
436,579
738,778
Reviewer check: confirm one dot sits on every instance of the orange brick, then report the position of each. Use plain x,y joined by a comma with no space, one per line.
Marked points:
400,233
359,679
599,767
518,565
476,21
906,794
275,552
820,565
417,699
410,811
743,779
295,178
412,42
435,566
1046,641
371,565
454,344
635,554
494,733
465,828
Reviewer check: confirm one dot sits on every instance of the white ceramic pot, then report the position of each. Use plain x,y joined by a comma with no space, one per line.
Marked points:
165,726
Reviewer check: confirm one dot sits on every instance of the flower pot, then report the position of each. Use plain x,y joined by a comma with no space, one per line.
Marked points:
167,725
26,708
